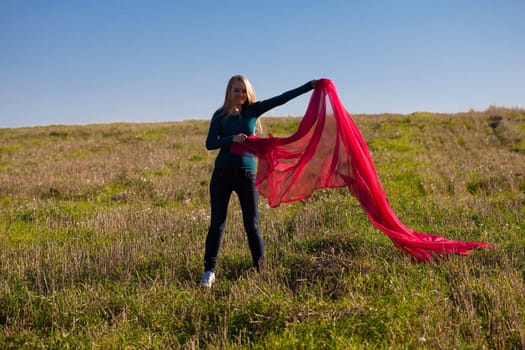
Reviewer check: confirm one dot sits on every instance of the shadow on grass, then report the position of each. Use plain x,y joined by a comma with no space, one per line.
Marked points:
325,262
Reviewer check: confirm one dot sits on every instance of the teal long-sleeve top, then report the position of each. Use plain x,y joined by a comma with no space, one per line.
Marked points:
224,126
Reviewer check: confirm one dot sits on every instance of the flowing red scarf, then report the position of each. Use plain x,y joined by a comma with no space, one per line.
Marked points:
328,151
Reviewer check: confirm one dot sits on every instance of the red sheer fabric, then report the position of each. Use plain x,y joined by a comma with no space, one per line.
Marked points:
328,151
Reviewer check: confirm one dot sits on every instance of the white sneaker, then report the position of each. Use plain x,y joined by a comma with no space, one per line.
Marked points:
207,279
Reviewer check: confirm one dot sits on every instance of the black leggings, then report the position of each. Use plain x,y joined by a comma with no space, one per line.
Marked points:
223,183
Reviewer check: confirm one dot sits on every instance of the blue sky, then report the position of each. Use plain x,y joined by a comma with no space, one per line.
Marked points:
102,61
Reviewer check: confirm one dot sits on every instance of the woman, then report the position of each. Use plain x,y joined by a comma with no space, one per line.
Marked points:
234,122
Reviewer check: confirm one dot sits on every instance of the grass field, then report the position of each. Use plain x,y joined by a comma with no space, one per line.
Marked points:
102,232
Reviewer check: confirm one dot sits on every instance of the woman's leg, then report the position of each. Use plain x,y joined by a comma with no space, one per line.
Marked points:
249,198
220,193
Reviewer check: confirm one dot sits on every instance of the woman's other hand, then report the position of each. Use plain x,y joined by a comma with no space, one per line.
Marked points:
239,138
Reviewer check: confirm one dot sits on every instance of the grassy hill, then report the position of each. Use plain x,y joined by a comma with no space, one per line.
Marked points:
102,232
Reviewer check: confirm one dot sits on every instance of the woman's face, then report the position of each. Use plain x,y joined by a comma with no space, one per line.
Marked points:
238,93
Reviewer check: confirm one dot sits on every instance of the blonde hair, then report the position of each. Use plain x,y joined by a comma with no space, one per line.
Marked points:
250,98
258,127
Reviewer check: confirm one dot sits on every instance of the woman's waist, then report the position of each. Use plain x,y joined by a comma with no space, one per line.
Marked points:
233,171
229,161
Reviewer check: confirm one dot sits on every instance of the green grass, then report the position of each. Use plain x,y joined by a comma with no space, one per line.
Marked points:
103,226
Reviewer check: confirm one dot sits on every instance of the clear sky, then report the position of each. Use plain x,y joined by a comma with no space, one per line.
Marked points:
102,61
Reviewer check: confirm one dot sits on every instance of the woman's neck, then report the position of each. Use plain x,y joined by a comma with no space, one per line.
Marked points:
235,110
